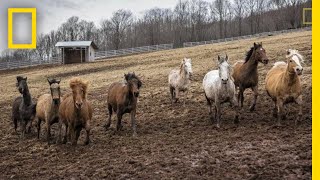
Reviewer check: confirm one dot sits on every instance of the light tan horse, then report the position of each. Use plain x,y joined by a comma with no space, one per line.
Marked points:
283,84
179,80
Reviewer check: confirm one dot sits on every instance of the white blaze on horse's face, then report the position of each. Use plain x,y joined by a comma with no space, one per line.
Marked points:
294,61
224,70
188,66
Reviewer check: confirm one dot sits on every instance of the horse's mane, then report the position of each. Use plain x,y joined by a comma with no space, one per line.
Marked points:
250,52
292,52
76,81
131,76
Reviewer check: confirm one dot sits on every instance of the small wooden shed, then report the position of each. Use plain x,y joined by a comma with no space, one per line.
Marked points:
77,51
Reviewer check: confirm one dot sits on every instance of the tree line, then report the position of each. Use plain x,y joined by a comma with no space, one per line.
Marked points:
188,21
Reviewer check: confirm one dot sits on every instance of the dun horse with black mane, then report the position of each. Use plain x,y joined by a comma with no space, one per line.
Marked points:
48,107
122,98
245,73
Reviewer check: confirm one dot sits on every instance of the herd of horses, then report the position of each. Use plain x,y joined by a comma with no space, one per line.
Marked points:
73,112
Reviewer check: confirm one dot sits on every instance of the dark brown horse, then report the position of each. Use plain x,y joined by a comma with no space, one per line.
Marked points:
245,73
23,109
122,98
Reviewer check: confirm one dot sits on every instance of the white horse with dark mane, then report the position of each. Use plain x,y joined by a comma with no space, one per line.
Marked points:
219,88
179,80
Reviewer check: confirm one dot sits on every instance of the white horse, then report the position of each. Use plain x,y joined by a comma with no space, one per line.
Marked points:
179,80
219,88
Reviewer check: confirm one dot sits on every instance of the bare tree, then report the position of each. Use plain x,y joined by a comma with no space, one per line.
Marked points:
120,21
239,9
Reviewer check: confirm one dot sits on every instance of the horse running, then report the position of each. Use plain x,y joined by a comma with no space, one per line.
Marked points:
23,109
179,80
219,88
75,112
245,73
122,98
48,107
283,84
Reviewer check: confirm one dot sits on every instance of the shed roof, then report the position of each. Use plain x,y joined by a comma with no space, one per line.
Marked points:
76,44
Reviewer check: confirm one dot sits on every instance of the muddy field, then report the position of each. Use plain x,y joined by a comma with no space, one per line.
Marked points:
174,142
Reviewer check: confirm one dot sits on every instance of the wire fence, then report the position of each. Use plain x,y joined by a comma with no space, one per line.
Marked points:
15,64
137,50
264,34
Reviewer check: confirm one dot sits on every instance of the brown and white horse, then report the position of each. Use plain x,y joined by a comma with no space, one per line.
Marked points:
245,73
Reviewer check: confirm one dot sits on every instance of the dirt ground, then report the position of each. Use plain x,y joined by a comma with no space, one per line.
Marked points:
174,142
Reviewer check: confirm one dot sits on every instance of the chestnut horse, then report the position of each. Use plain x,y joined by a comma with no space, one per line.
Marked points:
283,84
122,98
48,107
245,73
75,112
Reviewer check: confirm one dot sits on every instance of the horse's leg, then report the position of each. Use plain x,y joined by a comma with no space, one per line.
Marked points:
88,128
119,115
235,105
299,102
15,123
23,127
240,97
218,113
38,127
177,94
171,94
255,91
67,134
185,98
76,134
275,109
110,116
133,122
48,128
280,110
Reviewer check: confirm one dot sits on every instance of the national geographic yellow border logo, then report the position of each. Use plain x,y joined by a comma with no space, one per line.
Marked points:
33,12
304,16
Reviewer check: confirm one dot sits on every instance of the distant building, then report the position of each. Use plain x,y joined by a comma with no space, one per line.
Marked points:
77,51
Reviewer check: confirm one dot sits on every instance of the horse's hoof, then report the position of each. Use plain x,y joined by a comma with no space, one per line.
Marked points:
252,108
106,126
87,142
218,126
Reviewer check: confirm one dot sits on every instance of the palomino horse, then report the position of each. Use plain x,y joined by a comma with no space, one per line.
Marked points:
219,88
75,112
245,73
23,109
122,98
283,84
179,80
48,107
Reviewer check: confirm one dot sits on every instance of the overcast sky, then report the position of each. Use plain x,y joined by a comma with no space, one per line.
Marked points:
52,13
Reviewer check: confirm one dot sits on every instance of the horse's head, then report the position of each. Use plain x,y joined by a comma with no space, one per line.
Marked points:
22,84
134,83
187,66
79,91
260,53
294,60
55,90
224,69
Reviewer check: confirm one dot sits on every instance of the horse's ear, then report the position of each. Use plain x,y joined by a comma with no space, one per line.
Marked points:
58,81
254,45
49,81
227,58
261,43
126,77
